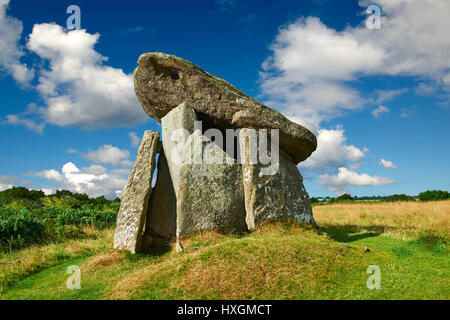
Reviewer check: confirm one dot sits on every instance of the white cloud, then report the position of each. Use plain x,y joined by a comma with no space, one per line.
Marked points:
332,152
345,177
387,95
15,119
25,119
304,78
425,89
414,41
47,174
311,71
78,89
379,111
94,180
135,141
7,182
10,51
71,151
388,164
108,154
48,191
95,169
414,36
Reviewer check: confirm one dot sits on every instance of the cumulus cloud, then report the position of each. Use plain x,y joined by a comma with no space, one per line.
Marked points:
310,74
414,36
10,50
379,111
108,154
135,141
304,77
77,87
94,180
47,174
345,177
71,151
7,182
333,152
388,164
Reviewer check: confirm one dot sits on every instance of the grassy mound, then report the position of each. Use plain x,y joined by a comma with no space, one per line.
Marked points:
279,261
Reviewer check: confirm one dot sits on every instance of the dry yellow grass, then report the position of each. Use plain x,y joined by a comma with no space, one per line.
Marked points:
402,220
103,260
272,260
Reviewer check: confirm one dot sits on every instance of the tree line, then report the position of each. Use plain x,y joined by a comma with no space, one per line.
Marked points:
429,195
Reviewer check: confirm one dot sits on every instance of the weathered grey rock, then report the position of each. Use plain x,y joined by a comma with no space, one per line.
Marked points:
163,82
273,197
174,140
209,193
135,196
210,196
162,210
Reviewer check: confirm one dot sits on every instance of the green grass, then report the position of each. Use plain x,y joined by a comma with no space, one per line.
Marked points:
279,261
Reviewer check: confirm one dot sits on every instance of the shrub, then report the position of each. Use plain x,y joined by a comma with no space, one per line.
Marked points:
19,230
56,220
433,195
22,193
313,200
401,197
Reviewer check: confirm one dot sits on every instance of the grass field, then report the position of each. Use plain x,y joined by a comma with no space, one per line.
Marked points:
409,241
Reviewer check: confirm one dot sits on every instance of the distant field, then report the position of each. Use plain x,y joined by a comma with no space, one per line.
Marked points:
401,220
409,241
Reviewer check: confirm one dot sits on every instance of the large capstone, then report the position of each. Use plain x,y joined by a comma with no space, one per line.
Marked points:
207,183
271,195
135,196
163,82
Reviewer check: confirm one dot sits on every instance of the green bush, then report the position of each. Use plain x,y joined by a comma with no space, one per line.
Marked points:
19,229
401,197
29,218
345,198
313,200
21,193
433,195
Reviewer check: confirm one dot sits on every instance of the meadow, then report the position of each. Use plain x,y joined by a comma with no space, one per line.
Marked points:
408,241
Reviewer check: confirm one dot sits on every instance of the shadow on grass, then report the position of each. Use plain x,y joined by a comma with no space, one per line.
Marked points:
351,233
149,253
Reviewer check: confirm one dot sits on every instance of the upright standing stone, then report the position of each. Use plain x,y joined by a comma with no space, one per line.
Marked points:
161,219
210,195
176,129
209,192
135,196
273,197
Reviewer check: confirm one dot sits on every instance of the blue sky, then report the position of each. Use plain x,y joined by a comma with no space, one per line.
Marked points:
378,100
